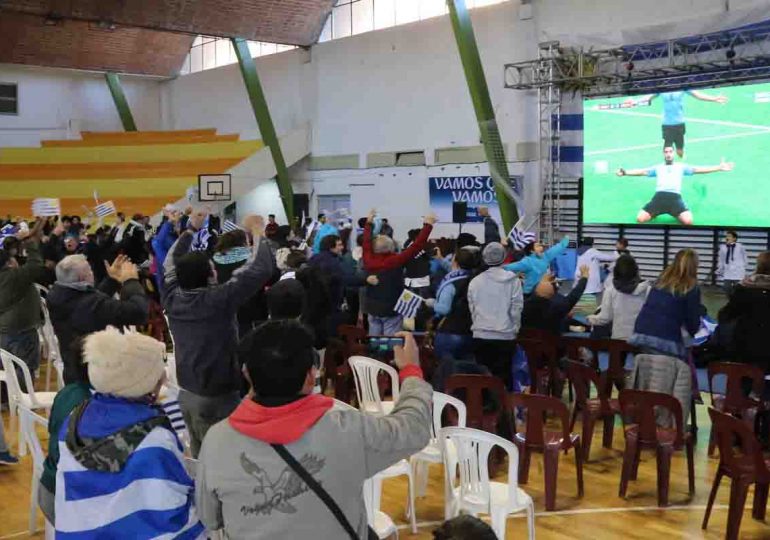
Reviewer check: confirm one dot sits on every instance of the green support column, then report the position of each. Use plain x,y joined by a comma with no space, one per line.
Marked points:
485,114
265,122
113,81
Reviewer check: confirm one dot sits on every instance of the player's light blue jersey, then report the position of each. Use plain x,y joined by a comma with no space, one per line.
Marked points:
670,176
673,107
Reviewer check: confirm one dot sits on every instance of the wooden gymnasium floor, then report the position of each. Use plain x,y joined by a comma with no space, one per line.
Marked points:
600,514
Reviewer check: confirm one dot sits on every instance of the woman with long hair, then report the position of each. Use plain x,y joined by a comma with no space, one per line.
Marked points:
673,304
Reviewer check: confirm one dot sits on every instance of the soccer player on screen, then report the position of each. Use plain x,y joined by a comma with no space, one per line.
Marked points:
668,193
673,114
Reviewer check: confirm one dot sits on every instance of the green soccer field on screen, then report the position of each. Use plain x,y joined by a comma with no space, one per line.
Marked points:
696,157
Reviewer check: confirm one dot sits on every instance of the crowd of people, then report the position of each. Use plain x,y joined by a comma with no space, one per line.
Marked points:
250,310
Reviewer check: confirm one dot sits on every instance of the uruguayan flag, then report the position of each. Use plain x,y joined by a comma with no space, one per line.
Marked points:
408,304
229,226
570,144
6,231
519,239
105,209
46,207
201,240
150,497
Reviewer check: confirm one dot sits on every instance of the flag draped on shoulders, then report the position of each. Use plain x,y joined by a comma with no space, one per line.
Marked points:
121,474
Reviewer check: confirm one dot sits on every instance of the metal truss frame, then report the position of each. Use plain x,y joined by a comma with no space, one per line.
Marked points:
738,55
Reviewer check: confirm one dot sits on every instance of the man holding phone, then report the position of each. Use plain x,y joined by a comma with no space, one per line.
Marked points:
246,482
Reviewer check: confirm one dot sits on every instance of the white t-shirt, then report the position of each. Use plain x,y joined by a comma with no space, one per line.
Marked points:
670,176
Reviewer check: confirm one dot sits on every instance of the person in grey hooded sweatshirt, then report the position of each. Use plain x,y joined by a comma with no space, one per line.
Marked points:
623,299
495,298
246,483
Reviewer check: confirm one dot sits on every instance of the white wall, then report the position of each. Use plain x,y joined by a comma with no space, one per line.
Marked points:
58,103
218,98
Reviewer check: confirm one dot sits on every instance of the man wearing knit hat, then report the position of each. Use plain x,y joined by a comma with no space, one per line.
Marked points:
495,299
121,469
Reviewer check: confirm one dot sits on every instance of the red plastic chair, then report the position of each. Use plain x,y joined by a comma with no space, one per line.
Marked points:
734,401
591,409
642,432
470,390
615,348
744,468
538,438
542,350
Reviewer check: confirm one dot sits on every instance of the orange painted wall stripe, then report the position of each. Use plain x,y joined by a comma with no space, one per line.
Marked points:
157,139
67,171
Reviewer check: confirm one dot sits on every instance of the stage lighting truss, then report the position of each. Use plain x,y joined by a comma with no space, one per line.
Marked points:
727,57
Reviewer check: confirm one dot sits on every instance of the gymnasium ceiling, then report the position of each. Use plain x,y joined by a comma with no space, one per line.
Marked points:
150,37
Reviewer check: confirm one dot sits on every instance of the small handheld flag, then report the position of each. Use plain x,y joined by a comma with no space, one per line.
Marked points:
229,226
408,304
105,209
6,231
43,207
519,239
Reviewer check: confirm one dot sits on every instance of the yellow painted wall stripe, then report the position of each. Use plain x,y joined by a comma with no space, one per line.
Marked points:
157,139
68,171
173,188
123,154
122,135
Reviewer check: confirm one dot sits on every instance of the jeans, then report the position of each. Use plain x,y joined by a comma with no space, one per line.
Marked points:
454,346
385,326
26,347
202,412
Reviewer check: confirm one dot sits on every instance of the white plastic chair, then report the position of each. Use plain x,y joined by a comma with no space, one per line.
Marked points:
433,453
373,491
365,372
379,521
27,429
476,493
49,348
12,410
19,400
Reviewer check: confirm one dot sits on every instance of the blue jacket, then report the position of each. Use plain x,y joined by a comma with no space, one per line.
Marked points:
534,266
659,325
161,244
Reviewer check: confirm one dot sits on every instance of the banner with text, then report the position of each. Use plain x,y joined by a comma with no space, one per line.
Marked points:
475,190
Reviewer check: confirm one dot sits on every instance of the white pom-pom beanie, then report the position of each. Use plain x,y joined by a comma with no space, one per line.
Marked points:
126,365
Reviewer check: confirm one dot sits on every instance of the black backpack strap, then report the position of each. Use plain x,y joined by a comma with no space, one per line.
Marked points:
313,484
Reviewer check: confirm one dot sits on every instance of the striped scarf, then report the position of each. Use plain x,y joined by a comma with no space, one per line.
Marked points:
451,277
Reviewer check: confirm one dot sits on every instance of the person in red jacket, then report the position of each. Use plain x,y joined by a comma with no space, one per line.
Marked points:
386,276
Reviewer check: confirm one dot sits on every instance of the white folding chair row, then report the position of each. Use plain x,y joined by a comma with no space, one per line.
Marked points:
474,493
434,452
17,399
28,422
365,374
